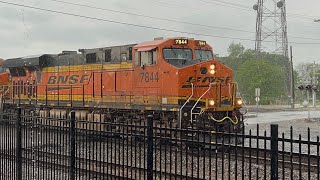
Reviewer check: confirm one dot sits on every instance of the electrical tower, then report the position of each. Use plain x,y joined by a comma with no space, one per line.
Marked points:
271,27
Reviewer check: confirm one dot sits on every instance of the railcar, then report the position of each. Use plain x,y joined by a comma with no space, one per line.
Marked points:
177,80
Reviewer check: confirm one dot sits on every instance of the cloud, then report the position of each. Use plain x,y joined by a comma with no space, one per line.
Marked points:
24,31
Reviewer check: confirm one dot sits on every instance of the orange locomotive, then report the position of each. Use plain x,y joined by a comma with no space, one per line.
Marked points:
177,80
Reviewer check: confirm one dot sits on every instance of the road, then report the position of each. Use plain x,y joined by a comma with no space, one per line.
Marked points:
272,117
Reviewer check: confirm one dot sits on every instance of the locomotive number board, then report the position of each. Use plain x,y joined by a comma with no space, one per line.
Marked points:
202,43
181,41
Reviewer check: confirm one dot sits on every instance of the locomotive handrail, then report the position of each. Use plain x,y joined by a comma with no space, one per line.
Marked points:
180,115
6,91
235,93
191,112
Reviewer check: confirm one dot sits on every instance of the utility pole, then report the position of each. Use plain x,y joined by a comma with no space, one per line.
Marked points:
292,79
314,98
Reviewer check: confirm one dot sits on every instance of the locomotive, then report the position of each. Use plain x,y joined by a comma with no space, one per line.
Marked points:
177,80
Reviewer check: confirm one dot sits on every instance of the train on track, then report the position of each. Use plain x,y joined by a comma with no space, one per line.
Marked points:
177,80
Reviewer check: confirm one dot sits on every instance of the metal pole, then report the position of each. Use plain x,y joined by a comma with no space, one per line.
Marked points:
72,146
18,146
308,98
292,79
314,98
274,152
150,147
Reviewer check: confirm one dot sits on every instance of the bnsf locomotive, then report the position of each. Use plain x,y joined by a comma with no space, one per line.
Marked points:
176,80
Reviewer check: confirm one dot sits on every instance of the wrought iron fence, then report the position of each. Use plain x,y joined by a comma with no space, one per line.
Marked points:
33,147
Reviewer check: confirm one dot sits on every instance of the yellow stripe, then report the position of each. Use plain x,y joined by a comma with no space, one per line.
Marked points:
148,108
88,67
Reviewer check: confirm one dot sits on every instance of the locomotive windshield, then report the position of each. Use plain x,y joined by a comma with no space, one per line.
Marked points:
171,54
204,55
178,57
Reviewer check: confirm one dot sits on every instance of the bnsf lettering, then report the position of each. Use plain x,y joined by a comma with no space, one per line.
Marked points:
52,80
193,79
73,79
205,81
84,78
62,79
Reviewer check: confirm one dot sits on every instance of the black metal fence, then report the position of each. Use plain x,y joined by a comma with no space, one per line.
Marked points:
34,147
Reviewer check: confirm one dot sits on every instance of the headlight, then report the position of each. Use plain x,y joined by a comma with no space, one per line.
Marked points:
203,70
239,102
212,71
212,66
211,102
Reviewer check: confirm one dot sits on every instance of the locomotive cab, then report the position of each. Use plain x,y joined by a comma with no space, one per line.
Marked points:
181,75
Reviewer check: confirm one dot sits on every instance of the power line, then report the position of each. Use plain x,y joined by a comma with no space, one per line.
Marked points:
136,25
224,4
231,3
165,19
246,8
150,17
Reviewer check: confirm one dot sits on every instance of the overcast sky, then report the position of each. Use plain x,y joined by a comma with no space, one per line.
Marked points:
26,31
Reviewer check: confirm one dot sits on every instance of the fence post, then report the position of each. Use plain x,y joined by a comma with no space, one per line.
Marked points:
274,151
18,146
72,146
150,147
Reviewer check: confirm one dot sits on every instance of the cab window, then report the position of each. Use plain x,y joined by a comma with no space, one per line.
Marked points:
146,58
136,58
178,57
204,55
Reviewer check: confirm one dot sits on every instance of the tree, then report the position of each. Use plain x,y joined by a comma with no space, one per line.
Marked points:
235,50
269,72
264,75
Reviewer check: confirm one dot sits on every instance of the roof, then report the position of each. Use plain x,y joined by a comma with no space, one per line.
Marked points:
150,43
24,61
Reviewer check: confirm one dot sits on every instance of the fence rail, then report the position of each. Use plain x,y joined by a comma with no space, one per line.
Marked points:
33,147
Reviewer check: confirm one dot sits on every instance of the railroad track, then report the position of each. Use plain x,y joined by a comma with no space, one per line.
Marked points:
97,167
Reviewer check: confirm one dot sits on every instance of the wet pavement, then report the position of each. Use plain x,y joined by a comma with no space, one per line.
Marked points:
273,117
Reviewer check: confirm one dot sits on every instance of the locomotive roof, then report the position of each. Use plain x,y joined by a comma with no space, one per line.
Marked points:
150,43
34,60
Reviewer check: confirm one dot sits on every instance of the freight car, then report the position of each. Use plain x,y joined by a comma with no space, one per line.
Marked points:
177,80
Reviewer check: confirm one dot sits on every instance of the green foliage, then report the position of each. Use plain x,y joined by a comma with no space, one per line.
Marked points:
235,50
269,73
260,74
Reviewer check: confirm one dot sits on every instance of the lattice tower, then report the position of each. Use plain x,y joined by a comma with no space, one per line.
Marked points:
271,27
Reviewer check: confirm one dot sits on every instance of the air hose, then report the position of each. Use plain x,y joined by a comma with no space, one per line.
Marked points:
225,118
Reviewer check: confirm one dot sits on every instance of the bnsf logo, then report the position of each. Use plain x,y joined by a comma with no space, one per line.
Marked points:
72,79
221,80
205,81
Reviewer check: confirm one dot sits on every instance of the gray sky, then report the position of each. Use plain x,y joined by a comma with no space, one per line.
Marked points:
26,31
